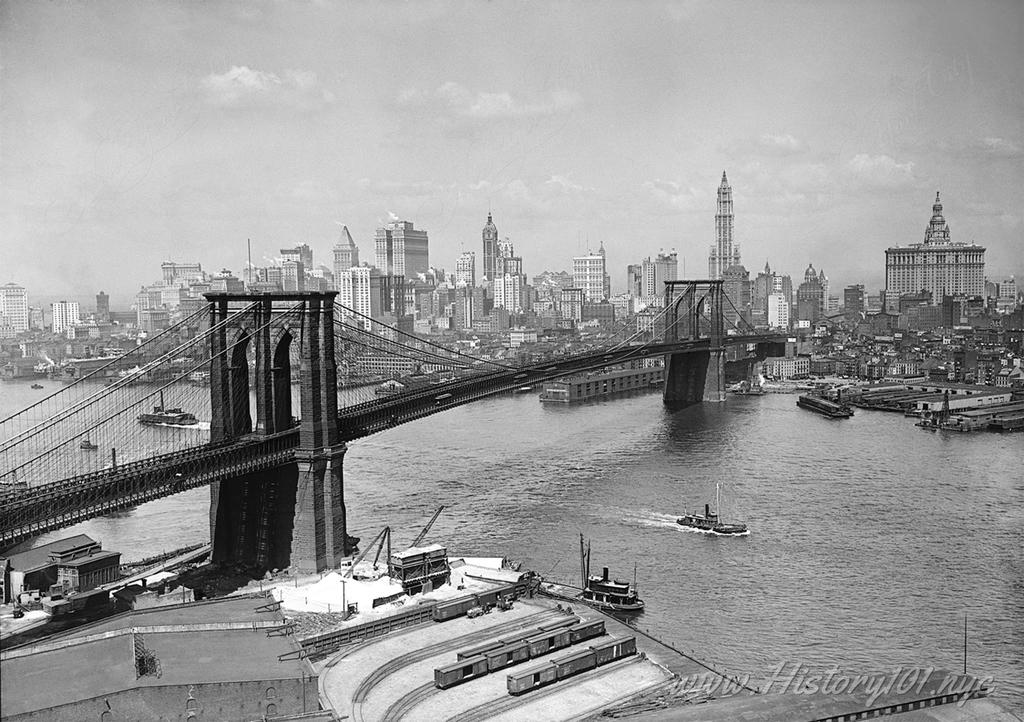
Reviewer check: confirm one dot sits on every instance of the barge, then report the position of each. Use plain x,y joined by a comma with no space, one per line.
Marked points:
824,407
592,386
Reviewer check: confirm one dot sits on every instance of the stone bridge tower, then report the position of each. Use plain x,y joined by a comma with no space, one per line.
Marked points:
694,312
293,515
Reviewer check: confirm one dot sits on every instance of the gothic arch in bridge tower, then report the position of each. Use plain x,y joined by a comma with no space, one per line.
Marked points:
241,415
282,381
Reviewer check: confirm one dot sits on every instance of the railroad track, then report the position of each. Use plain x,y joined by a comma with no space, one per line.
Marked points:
405,704
493,708
385,670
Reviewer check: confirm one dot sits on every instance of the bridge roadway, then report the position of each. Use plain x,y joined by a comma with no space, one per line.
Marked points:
29,511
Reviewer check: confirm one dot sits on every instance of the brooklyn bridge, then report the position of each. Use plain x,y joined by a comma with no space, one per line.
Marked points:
319,375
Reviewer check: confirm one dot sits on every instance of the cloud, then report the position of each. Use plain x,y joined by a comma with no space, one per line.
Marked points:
404,189
998,147
562,183
766,144
880,171
244,87
780,144
461,102
675,195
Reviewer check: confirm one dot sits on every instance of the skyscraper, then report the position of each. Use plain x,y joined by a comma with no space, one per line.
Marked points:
938,265
509,279
465,269
778,310
65,315
301,253
665,267
14,307
175,273
588,274
853,298
724,253
346,253
490,238
810,296
635,279
401,250
354,291
737,288
293,275
367,291
102,307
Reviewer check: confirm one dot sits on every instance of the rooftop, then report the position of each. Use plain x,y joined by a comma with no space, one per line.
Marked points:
29,682
40,556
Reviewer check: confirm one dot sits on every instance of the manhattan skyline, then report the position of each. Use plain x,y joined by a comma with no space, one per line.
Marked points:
135,134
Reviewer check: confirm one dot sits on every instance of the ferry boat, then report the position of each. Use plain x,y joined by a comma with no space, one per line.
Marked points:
162,416
87,445
605,593
824,407
710,520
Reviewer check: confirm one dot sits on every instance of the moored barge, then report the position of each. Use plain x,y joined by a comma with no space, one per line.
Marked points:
824,407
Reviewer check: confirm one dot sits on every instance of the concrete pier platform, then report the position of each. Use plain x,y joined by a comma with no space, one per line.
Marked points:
393,677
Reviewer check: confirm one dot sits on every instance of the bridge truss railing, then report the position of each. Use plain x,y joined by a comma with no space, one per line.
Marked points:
27,512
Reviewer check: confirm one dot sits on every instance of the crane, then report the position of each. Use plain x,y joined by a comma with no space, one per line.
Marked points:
422,534
383,536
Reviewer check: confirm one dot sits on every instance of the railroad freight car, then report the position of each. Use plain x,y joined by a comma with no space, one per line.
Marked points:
479,650
507,655
520,636
459,672
455,608
524,680
488,598
586,630
519,682
614,648
559,623
569,664
546,642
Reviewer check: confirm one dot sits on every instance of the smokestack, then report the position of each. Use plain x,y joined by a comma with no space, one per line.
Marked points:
605,577
707,510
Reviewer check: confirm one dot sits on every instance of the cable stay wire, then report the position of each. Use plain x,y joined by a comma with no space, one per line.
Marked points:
391,342
183,375
120,383
159,337
353,312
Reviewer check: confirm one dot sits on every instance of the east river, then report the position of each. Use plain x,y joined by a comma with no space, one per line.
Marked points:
870,538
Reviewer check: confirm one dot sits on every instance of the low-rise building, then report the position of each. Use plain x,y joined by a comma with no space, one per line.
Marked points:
77,563
781,367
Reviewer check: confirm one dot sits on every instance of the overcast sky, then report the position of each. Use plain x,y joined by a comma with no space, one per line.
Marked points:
134,133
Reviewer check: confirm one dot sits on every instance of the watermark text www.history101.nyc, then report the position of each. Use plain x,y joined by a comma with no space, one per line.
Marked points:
798,678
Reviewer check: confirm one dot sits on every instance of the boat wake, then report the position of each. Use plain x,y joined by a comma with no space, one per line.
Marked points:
198,426
655,520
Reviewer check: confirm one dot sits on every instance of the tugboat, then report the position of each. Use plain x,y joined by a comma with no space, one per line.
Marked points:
167,417
87,445
710,521
605,593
